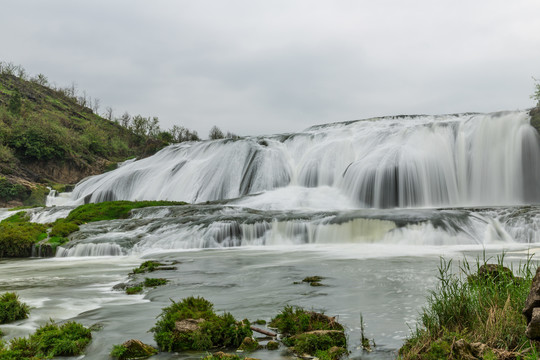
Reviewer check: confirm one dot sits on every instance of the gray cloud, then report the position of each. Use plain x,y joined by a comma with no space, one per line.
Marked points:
256,67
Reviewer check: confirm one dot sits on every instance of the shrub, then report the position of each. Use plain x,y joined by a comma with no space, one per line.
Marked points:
10,191
11,309
210,332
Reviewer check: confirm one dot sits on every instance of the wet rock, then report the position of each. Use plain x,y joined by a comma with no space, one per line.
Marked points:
187,325
272,345
532,303
120,287
533,327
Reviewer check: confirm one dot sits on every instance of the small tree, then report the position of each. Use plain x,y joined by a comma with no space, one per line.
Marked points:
536,95
215,133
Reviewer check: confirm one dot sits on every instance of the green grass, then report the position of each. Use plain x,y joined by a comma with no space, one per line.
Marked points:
215,331
11,308
474,308
47,342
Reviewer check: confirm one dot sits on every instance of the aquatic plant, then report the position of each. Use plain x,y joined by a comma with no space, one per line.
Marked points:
132,290
192,324
477,307
11,308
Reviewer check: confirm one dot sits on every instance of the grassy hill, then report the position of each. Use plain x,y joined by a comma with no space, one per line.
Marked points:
48,138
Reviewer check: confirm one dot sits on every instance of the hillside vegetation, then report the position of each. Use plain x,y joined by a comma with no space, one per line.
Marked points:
51,136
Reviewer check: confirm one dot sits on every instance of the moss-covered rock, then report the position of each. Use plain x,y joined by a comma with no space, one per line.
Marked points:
309,332
272,345
206,330
133,349
249,344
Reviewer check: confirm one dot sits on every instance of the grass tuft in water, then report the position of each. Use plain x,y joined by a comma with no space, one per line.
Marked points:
481,304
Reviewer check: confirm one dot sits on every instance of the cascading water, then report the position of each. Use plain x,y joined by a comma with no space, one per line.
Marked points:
309,187
422,161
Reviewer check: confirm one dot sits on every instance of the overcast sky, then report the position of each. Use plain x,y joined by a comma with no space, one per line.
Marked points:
259,67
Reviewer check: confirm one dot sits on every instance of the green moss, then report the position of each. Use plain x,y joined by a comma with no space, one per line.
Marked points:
49,341
63,228
152,282
11,309
18,235
211,331
111,210
272,345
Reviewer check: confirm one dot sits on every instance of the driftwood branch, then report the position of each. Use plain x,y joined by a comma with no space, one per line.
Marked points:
265,332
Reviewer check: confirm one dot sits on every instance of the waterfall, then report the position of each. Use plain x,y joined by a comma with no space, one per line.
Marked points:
411,161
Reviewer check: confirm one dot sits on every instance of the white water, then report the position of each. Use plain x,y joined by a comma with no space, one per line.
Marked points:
422,161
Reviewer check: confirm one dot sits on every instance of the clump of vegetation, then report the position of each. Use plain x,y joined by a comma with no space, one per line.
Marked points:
148,282
296,320
132,349
193,325
309,332
313,280
11,308
49,341
62,228
153,282
18,235
136,289
147,266
482,307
